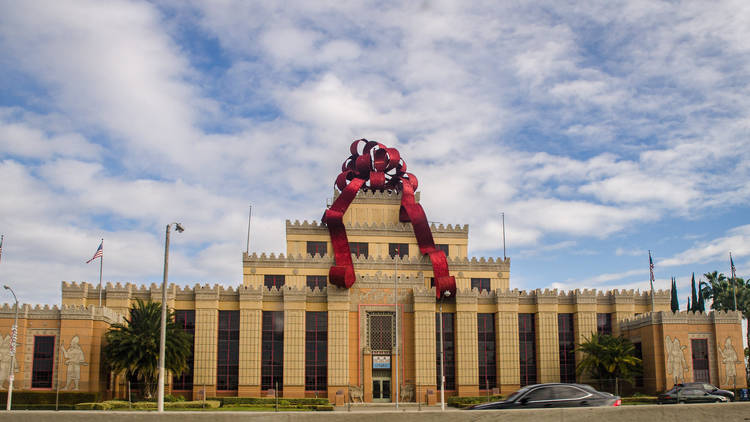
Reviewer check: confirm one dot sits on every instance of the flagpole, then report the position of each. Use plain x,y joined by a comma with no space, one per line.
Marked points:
101,265
651,272
734,282
249,217
503,215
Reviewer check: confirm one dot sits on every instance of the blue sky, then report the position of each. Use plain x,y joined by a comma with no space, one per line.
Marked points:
600,129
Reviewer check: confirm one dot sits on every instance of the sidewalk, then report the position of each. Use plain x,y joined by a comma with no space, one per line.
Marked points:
391,407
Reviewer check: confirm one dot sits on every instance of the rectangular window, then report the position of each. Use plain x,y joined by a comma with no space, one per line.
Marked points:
567,344
228,351
272,351
44,362
400,249
442,247
316,351
480,284
604,324
487,362
317,248
185,320
449,359
319,281
639,354
359,249
700,360
273,280
527,348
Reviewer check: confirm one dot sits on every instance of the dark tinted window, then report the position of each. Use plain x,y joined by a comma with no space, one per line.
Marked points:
400,249
319,281
316,248
359,249
273,280
563,392
442,247
480,284
541,393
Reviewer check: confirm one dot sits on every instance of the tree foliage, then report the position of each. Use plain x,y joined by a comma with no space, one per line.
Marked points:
607,357
721,290
133,347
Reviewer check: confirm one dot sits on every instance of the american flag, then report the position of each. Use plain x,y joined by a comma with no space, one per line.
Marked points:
1,246
731,262
98,254
651,269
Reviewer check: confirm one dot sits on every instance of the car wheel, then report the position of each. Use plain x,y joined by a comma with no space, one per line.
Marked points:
717,401
681,402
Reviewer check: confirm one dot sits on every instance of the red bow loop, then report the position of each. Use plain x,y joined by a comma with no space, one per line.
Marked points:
378,167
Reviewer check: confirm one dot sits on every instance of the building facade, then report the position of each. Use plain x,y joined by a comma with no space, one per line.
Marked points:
287,330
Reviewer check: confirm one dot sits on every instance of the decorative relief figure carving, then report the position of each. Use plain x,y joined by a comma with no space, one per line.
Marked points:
407,393
676,363
729,359
5,361
356,393
74,359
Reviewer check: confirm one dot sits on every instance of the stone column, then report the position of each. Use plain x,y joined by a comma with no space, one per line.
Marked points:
294,342
206,336
506,341
584,321
424,342
547,341
467,354
338,340
251,321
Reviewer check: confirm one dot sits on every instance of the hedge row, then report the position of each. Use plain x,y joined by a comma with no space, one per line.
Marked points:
143,405
28,397
239,401
462,402
639,400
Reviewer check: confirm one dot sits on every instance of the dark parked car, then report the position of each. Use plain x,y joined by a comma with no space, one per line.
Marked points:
553,395
709,389
683,394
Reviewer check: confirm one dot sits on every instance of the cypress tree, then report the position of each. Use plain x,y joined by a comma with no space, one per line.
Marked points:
675,302
688,307
701,302
694,295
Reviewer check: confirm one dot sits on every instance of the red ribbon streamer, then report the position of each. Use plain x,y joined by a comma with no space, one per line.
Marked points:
378,167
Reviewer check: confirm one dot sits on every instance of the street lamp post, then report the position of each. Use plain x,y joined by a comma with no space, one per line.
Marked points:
163,330
13,338
442,362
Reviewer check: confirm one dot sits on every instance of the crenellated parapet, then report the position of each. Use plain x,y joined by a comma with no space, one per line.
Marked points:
682,317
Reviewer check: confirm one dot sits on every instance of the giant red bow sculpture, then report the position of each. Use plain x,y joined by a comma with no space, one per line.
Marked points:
378,167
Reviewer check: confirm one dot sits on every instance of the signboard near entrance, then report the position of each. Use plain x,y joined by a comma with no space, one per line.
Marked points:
381,362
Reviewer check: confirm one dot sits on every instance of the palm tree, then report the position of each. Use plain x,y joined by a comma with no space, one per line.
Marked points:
133,347
608,358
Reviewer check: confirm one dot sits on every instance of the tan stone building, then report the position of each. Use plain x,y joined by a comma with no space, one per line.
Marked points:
287,329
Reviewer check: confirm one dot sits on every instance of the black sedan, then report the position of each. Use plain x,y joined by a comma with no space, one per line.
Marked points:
553,395
684,394
709,389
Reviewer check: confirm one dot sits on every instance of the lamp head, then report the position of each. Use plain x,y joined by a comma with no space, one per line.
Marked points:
178,227
447,293
6,287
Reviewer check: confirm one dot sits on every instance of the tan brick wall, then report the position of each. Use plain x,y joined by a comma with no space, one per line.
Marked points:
467,357
294,343
251,320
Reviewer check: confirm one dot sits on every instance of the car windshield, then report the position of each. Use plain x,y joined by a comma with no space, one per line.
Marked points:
516,394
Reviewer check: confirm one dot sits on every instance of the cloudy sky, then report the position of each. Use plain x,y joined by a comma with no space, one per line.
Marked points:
600,129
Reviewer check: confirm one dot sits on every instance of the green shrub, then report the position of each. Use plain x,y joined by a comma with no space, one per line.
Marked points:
48,397
462,402
118,404
169,398
241,401
93,406
639,400
324,408
43,406
196,404
144,405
